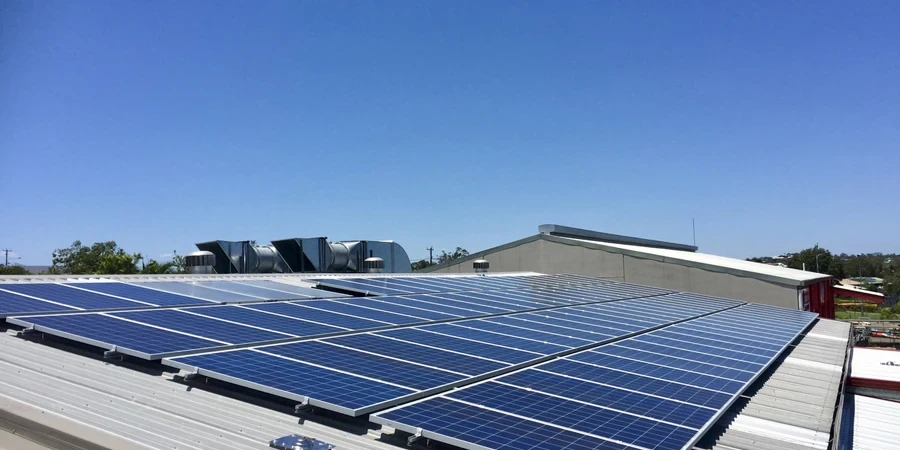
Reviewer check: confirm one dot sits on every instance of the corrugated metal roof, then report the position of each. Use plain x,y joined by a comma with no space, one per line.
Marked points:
748,268
793,406
122,408
870,424
875,364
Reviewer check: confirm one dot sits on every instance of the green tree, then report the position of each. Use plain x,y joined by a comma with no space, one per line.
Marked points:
892,280
176,265
457,254
99,258
815,257
13,269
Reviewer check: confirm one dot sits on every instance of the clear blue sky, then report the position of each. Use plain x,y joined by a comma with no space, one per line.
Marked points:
161,124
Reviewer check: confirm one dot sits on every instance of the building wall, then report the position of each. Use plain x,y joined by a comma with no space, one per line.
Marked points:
553,257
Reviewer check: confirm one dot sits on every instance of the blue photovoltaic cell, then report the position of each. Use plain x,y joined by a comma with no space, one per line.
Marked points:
315,315
364,364
681,351
434,304
121,333
617,323
533,333
679,330
598,356
503,304
465,306
440,358
581,417
13,303
569,329
347,308
659,390
679,413
249,290
72,297
390,304
491,429
261,319
337,388
202,326
688,393
588,360
302,291
359,287
704,345
194,290
514,342
505,354
139,293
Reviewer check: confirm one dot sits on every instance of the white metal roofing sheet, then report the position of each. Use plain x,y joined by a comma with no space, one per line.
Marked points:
875,364
119,407
875,425
720,261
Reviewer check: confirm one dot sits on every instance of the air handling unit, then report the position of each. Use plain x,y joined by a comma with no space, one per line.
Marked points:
305,255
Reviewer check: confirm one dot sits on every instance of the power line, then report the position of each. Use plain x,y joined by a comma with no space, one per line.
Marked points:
430,254
6,257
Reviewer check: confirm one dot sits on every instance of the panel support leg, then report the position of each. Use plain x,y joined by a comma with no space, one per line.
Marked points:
114,353
414,437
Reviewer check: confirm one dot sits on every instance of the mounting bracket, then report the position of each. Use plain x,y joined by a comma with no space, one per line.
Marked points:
414,437
303,406
114,353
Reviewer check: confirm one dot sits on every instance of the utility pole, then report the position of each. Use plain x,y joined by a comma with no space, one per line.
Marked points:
430,254
6,253
817,257
694,229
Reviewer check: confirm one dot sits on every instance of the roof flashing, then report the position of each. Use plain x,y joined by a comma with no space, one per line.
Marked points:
579,233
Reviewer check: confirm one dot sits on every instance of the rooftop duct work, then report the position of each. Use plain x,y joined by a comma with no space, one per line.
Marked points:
244,257
200,262
305,255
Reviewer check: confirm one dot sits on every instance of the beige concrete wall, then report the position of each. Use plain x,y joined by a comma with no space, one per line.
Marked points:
699,281
525,257
553,257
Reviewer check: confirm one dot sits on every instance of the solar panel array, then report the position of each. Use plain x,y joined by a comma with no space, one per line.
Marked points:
543,362
181,330
426,285
658,390
31,298
360,373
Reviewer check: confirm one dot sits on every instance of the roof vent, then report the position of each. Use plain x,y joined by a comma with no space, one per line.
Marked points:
481,265
200,262
373,264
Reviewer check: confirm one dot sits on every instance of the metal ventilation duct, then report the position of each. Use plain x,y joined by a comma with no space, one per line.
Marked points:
305,255
200,262
245,257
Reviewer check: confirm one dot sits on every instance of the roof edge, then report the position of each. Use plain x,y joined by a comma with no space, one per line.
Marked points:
580,233
686,262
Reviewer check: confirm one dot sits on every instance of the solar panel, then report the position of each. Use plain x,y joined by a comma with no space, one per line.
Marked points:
300,291
426,285
72,297
661,389
194,290
150,296
229,326
435,357
12,304
25,298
